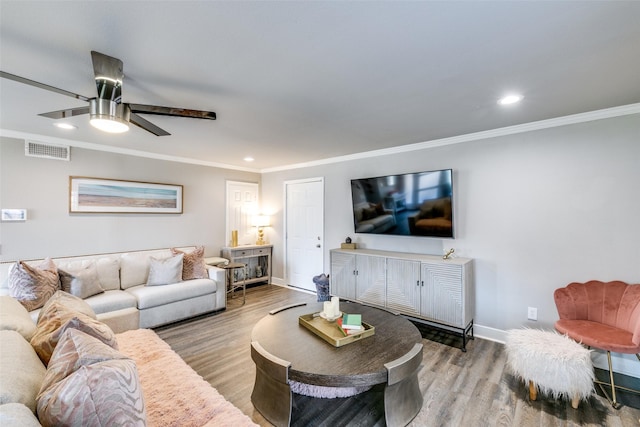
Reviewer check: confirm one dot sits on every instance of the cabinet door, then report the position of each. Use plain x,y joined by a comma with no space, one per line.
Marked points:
343,275
370,279
403,286
442,296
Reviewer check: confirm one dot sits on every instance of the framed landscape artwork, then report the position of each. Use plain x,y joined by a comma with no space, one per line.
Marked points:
98,195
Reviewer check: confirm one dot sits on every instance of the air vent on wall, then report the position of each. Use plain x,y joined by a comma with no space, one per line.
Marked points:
47,151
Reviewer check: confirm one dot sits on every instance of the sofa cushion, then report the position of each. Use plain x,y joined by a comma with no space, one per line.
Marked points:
153,296
164,271
33,286
134,267
111,301
56,320
83,282
193,266
89,383
17,414
14,317
21,371
108,269
70,302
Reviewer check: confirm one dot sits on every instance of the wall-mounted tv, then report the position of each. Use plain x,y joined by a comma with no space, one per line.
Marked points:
411,204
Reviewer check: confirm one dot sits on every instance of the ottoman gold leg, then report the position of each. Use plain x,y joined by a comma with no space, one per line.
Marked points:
575,402
533,391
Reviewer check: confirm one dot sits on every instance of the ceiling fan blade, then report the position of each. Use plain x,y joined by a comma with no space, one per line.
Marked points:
172,111
107,67
147,125
63,114
41,85
108,75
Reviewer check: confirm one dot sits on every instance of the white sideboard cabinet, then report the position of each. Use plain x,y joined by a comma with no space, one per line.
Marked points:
424,287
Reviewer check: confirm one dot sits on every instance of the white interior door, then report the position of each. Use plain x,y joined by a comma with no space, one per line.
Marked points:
242,204
304,226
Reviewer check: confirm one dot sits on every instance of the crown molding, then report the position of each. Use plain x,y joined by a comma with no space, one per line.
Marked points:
590,116
126,151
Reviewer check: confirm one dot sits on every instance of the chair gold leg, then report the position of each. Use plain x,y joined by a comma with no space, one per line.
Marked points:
533,391
612,385
575,402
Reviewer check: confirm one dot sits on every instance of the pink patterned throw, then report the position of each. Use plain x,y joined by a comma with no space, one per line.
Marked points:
174,394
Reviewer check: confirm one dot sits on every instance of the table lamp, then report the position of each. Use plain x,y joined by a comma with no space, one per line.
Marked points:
261,221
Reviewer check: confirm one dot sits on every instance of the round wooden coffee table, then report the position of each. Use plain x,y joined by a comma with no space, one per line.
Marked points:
387,357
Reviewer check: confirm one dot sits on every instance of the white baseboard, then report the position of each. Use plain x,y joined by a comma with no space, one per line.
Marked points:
626,364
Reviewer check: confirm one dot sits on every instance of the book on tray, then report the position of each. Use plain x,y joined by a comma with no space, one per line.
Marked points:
352,322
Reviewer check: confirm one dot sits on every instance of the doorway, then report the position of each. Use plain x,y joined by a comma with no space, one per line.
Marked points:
304,232
242,205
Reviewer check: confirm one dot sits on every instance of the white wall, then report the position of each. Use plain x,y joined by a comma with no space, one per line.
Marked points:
535,210
42,187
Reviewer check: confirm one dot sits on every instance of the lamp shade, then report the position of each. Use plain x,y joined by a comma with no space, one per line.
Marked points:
261,221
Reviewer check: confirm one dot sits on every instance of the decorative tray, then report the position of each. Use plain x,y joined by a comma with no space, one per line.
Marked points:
331,332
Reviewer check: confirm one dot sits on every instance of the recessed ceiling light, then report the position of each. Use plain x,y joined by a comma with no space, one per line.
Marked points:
510,99
65,126
249,159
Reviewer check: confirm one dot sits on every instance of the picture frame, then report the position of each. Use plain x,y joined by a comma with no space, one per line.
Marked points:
14,215
101,195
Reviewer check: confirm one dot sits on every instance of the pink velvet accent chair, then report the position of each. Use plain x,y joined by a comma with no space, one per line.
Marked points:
604,316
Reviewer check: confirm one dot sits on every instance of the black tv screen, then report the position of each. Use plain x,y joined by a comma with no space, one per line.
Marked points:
411,204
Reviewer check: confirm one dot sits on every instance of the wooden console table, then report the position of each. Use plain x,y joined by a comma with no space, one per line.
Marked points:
256,257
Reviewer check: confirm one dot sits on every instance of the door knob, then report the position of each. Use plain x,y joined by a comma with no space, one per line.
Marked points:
318,245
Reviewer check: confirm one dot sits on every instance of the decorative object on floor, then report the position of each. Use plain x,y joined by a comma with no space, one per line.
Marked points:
322,287
448,254
261,221
174,394
605,316
550,362
98,195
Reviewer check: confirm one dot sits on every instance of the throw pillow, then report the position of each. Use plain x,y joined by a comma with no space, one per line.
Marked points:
82,282
163,271
69,302
33,286
89,383
14,317
51,327
21,372
17,414
193,266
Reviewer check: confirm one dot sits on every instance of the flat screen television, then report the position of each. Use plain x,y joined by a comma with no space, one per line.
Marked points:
411,204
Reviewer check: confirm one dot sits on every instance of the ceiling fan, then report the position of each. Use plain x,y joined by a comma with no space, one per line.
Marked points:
107,112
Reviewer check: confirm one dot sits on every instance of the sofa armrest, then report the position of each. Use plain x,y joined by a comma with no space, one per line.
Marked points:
217,274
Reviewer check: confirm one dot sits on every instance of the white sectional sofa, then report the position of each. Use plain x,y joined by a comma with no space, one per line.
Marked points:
127,302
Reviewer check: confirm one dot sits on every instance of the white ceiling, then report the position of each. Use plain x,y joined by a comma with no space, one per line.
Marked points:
294,82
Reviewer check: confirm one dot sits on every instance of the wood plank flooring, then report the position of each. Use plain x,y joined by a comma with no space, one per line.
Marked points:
459,389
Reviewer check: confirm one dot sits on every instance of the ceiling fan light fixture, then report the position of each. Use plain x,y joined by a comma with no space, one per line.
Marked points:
110,125
109,116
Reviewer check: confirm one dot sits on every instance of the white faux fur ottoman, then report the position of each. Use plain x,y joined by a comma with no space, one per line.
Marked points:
551,362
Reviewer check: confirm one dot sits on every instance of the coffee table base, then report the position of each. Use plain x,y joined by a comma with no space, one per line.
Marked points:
272,395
